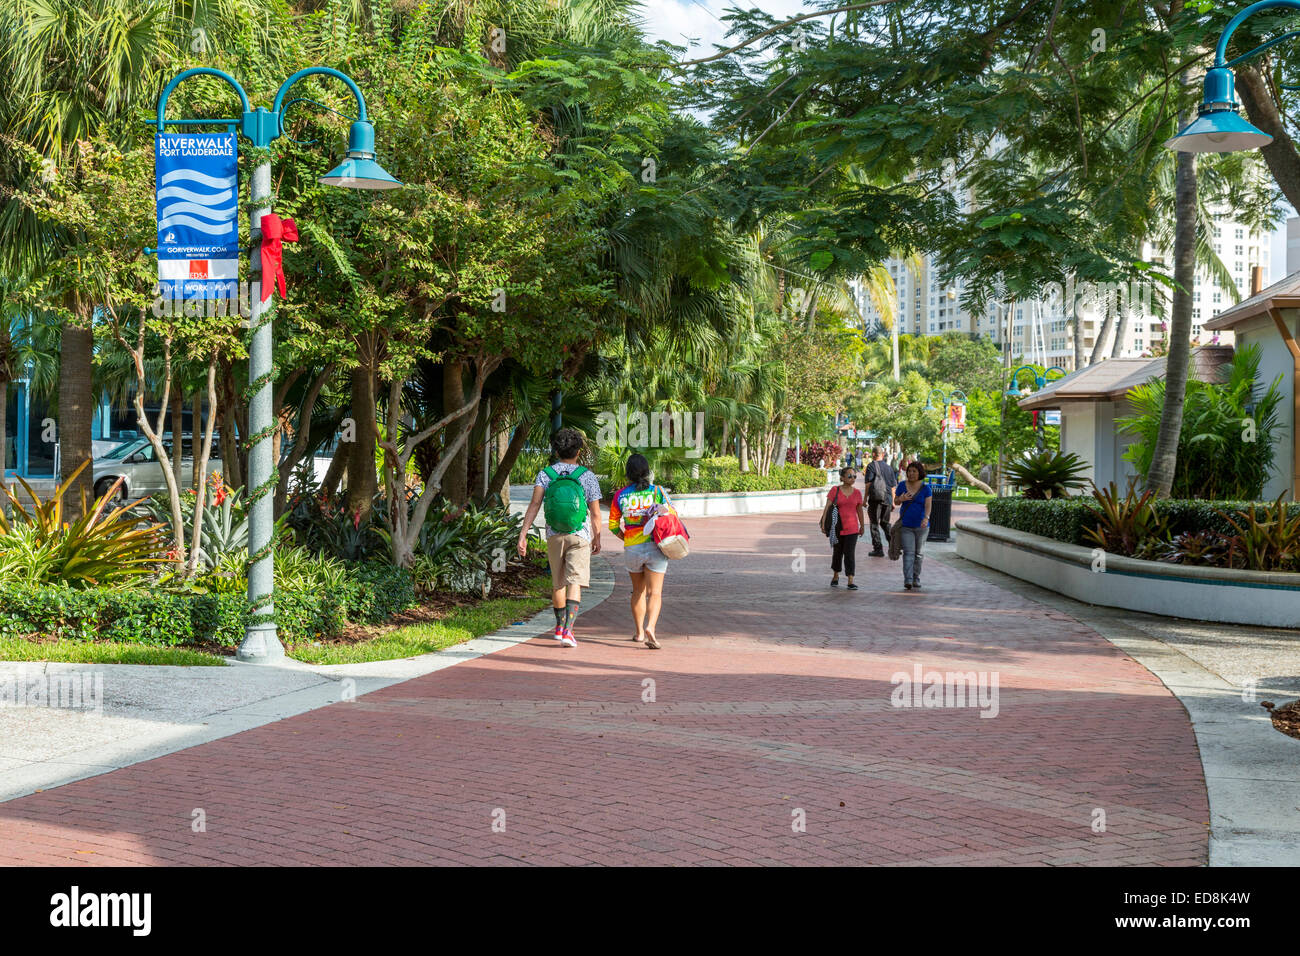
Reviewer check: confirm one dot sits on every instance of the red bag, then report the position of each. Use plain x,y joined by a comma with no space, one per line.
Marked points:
670,534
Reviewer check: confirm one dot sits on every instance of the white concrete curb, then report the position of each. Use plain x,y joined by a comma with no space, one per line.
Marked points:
1261,598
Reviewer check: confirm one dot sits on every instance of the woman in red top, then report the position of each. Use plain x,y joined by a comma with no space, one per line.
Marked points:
846,526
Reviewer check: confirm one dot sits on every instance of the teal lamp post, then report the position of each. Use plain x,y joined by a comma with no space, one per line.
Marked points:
1218,128
1039,382
955,397
358,171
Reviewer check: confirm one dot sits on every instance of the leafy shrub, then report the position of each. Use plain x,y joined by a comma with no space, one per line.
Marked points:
225,520
103,546
1061,519
729,477
457,547
1047,473
527,465
815,452
1220,456
324,525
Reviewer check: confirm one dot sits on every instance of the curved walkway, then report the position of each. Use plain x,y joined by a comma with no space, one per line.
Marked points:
763,733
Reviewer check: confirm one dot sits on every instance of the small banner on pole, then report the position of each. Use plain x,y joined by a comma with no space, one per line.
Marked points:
956,418
197,181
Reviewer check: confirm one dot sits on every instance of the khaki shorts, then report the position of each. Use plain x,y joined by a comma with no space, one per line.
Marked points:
570,557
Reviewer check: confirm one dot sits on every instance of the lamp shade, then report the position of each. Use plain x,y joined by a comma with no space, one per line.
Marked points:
359,170
359,174
1218,131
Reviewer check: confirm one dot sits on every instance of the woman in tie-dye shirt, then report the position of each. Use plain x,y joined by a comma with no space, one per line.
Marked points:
632,508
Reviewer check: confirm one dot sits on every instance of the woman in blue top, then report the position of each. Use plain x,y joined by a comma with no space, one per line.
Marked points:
913,496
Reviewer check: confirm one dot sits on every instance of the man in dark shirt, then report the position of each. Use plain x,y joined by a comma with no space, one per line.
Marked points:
881,480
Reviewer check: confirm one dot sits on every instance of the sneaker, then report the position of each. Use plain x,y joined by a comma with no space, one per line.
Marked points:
907,586
568,640
835,582
916,585
853,587
876,554
559,633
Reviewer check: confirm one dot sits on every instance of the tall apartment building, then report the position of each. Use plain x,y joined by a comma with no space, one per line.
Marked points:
1040,330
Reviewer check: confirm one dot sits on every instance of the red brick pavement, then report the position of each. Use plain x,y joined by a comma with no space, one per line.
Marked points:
771,702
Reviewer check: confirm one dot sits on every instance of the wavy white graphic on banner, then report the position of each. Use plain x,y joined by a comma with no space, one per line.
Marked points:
200,225
208,199
203,179
222,215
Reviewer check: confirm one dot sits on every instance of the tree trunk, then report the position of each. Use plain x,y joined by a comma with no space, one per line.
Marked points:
779,458
971,480
201,454
363,482
1121,331
1280,155
744,451
76,412
231,466
1108,323
455,483
177,411
301,437
1164,460
500,483
1078,336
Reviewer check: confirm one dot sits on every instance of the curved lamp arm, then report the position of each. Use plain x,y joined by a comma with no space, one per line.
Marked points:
1221,51
356,90
199,71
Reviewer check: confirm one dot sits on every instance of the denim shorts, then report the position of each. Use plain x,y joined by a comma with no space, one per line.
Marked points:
645,557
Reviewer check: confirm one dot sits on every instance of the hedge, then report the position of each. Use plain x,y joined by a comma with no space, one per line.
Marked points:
169,619
1065,519
729,477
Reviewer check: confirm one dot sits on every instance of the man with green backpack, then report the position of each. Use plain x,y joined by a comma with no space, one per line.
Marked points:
570,495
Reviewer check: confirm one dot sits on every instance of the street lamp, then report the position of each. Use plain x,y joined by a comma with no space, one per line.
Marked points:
1039,382
948,399
358,171
1218,128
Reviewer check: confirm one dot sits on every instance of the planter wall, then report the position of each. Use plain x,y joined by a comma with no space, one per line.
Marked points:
749,502
1263,598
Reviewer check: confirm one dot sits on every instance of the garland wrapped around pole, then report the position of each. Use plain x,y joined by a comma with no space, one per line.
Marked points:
261,642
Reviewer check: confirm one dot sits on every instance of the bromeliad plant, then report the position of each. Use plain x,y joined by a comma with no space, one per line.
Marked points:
38,547
1267,538
1128,525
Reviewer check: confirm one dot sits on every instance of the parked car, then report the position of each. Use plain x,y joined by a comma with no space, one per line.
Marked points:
134,461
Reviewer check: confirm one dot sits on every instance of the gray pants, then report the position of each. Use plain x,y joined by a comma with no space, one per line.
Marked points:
912,541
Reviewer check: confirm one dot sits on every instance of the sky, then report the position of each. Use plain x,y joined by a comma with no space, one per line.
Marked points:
697,25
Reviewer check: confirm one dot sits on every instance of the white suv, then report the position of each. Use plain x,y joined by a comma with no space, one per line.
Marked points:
135,463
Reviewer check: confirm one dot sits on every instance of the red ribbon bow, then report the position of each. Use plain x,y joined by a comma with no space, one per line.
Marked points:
275,232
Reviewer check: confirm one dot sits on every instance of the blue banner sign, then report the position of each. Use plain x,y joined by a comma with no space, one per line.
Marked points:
197,181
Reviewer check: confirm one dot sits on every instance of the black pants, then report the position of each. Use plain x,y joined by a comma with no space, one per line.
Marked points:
878,513
842,556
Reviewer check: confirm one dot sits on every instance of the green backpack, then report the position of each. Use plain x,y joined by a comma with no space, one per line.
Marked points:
565,500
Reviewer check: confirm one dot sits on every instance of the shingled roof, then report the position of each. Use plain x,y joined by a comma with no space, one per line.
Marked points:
1283,294
1110,380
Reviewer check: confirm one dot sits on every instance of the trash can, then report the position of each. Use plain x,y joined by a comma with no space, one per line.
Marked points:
940,510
